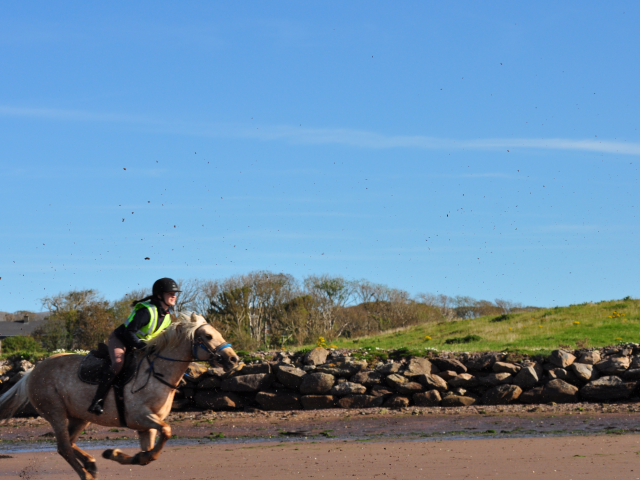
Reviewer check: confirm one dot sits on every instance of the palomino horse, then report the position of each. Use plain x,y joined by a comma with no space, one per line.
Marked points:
56,392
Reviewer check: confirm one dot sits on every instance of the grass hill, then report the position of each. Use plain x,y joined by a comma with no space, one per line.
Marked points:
576,326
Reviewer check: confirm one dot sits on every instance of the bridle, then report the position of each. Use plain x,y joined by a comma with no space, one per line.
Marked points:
196,344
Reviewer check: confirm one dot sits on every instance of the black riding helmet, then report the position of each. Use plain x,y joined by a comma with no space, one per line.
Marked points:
164,285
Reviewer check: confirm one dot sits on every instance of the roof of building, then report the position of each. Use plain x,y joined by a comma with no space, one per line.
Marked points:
19,328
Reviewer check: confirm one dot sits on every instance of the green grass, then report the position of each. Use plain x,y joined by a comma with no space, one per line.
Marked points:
598,324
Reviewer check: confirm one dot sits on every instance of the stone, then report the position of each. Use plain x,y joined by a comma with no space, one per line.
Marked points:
613,365
495,379
211,400
532,396
431,398
447,375
464,380
248,383
432,381
409,388
632,374
561,359
461,392
25,365
252,369
348,388
381,391
479,363
590,358
457,401
607,388
394,380
583,372
449,364
290,377
194,372
418,366
209,383
389,368
526,378
635,362
562,374
317,383
317,356
278,400
504,367
501,395
180,404
317,402
559,391
396,401
360,401
368,378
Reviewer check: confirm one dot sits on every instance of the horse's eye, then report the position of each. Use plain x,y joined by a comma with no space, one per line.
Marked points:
209,337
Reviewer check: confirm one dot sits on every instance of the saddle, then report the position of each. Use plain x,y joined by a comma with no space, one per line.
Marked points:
91,371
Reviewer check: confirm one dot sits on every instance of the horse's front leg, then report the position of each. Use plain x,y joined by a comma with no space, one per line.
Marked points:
152,422
147,439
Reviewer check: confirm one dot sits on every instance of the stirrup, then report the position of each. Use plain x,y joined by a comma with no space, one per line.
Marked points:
96,408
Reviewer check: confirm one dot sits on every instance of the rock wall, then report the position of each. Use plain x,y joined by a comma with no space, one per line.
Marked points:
334,379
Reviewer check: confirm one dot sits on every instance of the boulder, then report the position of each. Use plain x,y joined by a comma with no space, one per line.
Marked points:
559,391
562,374
211,400
464,380
25,365
495,379
180,404
607,388
418,366
526,378
561,359
583,372
590,358
348,388
360,401
396,401
381,391
394,380
317,356
532,396
432,381
247,383
504,367
278,400
632,374
613,365
409,388
427,399
209,383
290,377
389,368
447,375
479,363
252,369
194,372
635,362
368,378
317,383
449,364
317,402
457,401
501,395
344,370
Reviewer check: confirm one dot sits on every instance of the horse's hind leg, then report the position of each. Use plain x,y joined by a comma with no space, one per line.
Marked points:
76,426
145,457
60,426
147,439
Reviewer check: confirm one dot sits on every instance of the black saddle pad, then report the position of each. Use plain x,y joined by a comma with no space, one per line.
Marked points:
92,366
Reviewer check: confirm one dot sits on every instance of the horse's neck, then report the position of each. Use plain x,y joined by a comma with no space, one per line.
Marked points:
174,371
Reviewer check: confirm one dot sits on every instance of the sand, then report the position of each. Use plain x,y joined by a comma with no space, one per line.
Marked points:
568,458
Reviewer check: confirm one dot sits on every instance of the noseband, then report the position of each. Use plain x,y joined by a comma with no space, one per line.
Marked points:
213,352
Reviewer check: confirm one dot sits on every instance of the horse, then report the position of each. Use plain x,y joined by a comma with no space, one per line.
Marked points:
56,392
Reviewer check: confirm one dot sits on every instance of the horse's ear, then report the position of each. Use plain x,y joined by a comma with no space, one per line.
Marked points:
194,318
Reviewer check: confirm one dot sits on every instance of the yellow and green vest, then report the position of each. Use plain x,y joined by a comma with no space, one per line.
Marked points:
143,333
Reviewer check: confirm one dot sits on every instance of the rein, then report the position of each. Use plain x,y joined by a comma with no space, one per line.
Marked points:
158,376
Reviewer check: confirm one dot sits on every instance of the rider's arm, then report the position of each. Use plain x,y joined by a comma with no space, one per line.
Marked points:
140,319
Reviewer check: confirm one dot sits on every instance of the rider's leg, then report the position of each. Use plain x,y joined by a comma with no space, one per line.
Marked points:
116,352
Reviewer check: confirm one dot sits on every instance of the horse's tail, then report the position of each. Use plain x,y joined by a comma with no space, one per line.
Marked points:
15,398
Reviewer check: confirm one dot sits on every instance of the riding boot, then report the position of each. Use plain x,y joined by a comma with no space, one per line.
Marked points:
103,389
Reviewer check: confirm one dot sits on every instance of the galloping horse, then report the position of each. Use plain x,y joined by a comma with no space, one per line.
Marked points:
56,392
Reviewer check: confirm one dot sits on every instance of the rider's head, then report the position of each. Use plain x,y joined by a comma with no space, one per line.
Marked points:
165,290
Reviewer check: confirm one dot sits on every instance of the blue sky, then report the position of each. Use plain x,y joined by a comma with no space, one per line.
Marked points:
483,149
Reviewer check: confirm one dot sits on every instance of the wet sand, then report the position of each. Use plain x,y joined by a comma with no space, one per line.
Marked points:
582,457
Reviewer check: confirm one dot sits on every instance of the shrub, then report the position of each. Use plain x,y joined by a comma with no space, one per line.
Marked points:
11,345
467,339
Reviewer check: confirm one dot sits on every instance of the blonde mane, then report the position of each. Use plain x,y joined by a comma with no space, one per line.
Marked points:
183,328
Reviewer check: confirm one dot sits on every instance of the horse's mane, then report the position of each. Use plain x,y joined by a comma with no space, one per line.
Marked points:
183,328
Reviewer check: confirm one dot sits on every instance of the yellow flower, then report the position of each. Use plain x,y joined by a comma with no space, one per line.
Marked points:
618,338
427,338
510,328
540,326
576,323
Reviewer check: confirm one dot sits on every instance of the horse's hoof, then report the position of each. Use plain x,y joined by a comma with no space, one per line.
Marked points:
92,468
108,454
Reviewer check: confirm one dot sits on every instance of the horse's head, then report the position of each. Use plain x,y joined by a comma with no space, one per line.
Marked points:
209,345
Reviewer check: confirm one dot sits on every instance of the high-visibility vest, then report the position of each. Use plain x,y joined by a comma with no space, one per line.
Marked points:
148,331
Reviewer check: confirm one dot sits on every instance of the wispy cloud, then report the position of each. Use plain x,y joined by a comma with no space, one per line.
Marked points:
327,136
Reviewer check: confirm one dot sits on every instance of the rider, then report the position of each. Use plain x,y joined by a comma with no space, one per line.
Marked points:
150,316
